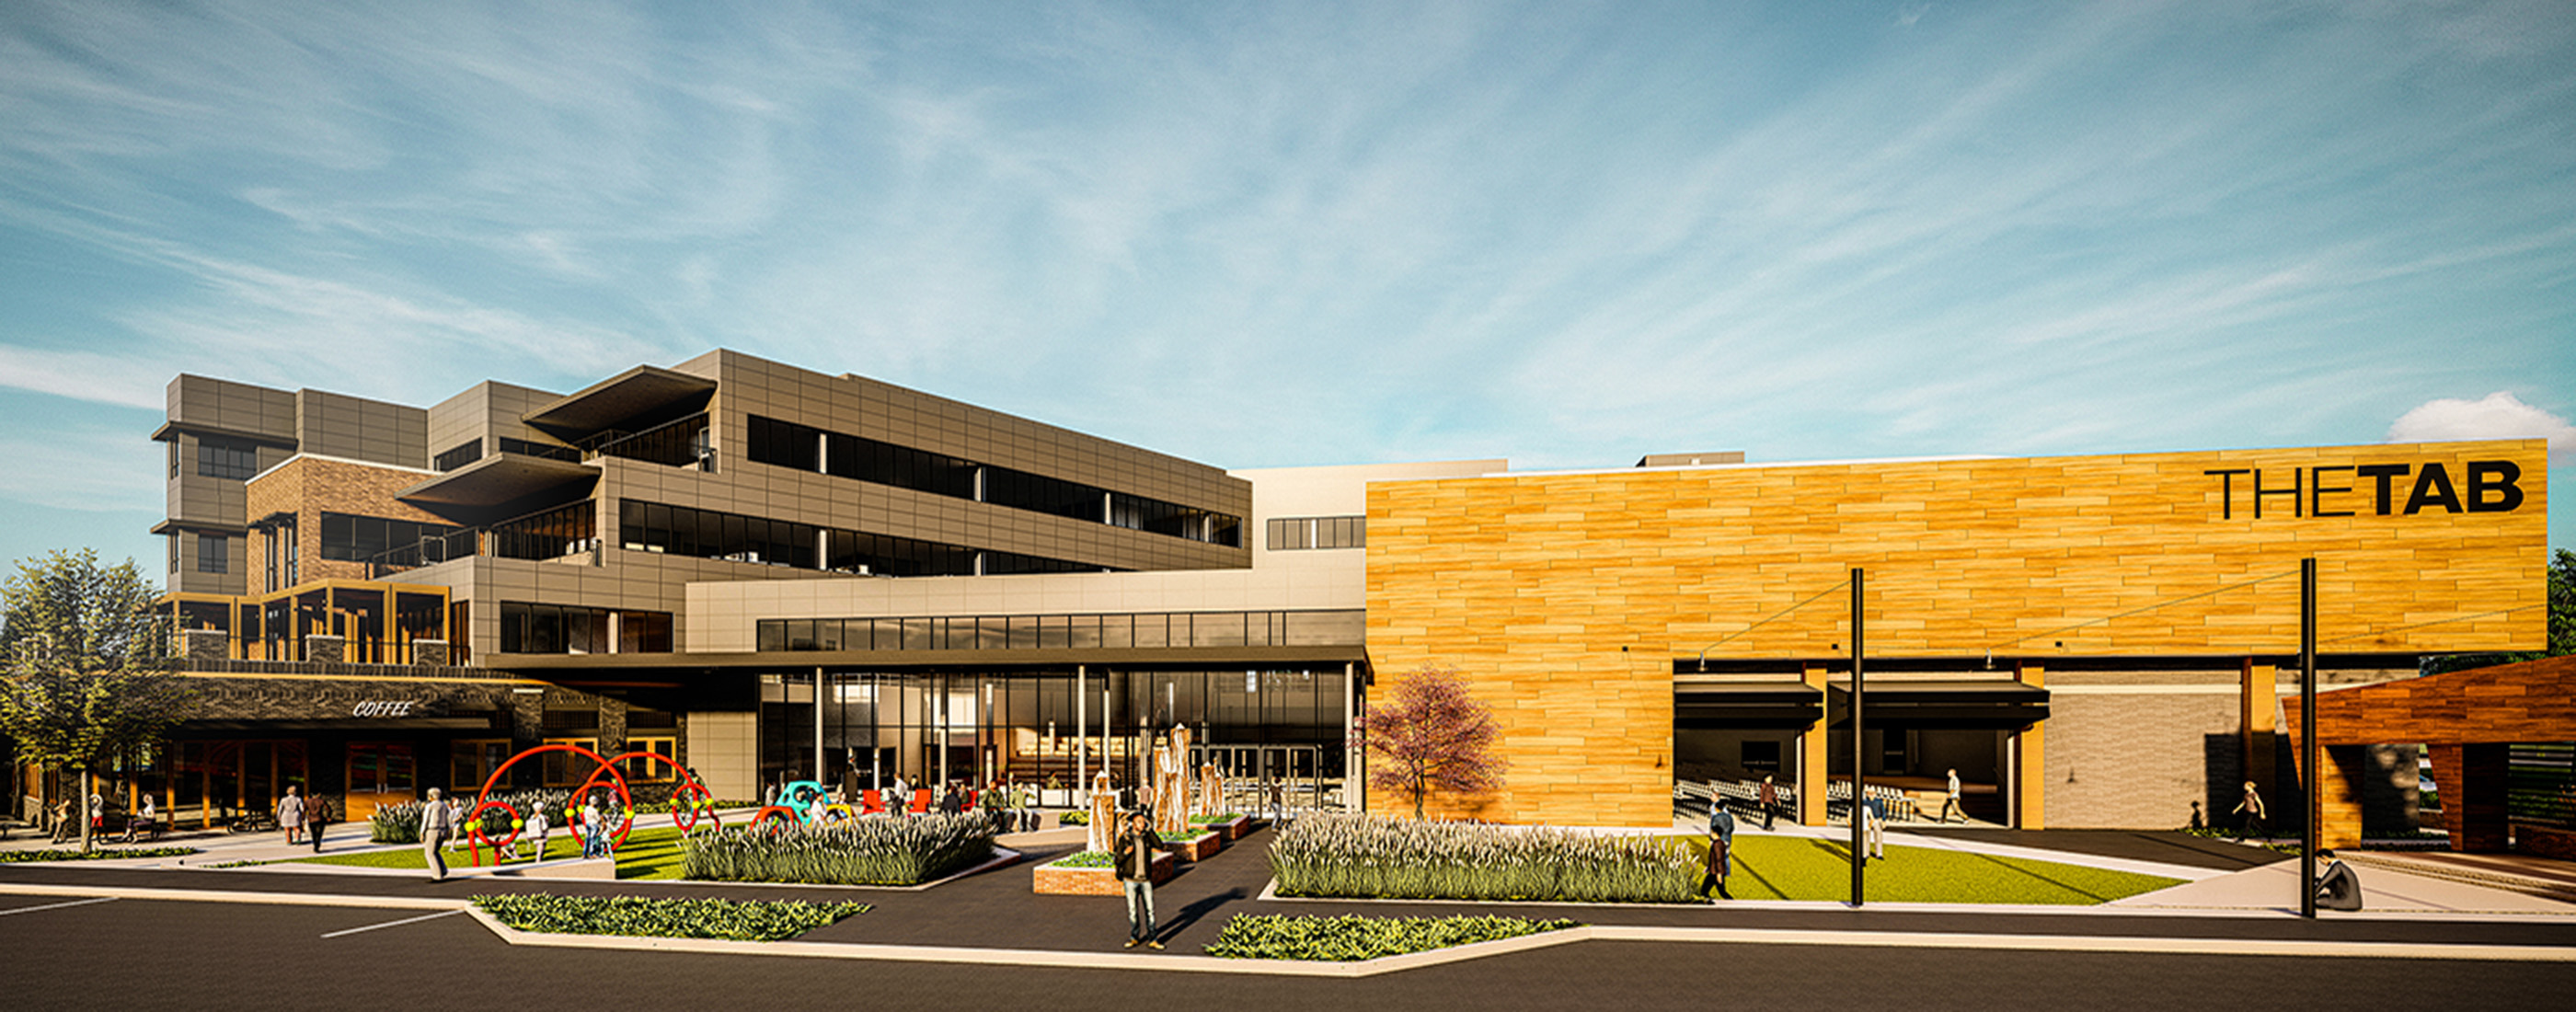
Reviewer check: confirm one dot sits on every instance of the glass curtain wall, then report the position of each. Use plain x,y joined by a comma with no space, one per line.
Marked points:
1030,727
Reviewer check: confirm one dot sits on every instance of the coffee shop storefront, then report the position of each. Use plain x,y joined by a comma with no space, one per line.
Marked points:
361,740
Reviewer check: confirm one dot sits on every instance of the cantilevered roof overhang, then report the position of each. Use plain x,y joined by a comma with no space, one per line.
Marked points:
497,479
1958,703
610,403
171,429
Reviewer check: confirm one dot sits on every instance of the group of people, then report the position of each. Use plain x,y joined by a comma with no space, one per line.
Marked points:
443,824
1013,805
1871,810
301,817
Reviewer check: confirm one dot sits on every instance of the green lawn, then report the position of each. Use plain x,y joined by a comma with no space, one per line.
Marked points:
1801,868
648,854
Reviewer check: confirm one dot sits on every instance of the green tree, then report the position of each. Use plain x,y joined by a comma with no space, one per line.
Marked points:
2562,624
90,667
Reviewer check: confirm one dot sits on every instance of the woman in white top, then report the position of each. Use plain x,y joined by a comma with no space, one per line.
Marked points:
537,829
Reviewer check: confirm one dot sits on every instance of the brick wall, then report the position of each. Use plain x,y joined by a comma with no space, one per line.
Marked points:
311,486
2139,759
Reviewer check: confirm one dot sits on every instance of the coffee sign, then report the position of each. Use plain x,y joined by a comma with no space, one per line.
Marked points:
382,708
2487,486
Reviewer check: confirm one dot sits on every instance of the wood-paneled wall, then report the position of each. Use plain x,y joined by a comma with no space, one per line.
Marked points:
1565,598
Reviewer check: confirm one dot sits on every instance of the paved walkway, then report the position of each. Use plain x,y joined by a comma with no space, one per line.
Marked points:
996,911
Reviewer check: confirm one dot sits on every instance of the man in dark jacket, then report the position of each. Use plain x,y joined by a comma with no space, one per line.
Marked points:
1135,858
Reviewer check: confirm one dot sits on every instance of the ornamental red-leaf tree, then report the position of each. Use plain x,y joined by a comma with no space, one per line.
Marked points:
1431,735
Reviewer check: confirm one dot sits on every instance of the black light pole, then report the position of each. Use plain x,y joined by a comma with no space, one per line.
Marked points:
1858,747
2308,735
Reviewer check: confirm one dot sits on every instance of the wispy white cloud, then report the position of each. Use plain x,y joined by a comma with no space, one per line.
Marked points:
83,468
2499,415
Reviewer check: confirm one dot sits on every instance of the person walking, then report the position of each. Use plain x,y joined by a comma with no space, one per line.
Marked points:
538,829
1873,823
2251,807
456,822
1721,845
290,814
1950,801
898,800
435,824
1770,802
1135,859
317,813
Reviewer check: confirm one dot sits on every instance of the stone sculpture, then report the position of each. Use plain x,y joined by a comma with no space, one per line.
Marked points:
1104,814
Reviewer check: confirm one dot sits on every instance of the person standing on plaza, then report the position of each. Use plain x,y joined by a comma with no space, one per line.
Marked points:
2251,807
1135,859
290,815
1721,844
594,829
898,799
1950,801
435,824
1770,802
1873,814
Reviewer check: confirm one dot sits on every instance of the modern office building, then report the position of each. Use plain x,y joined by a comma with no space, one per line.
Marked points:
766,573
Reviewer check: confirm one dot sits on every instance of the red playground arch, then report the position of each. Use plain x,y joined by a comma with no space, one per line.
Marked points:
686,813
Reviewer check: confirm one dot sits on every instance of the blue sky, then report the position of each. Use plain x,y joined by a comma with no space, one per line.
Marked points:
1278,234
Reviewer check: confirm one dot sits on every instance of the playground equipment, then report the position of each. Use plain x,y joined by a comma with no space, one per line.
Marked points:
699,804
803,802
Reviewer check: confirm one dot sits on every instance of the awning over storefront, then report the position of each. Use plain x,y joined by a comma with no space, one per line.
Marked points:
1746,704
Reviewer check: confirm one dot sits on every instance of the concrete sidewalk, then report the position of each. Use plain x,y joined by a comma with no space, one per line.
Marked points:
2384,892
997,912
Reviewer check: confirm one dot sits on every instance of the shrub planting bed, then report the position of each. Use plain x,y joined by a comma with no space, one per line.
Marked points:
895,852
751,921
1343,939
1092,873
400,823
1358,857
1200,844
1232,825
101,854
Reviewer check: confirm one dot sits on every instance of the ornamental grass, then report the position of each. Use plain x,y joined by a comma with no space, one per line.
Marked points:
859,852
1360,857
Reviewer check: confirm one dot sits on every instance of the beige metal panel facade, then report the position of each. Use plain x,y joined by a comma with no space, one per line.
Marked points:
723,616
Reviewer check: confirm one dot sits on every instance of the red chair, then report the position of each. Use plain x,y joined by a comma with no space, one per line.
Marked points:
921,801
871,801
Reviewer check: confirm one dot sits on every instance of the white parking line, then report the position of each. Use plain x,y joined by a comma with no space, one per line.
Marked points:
395,924
57,906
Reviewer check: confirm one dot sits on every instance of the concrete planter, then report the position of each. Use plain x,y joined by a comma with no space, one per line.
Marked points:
1051,880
